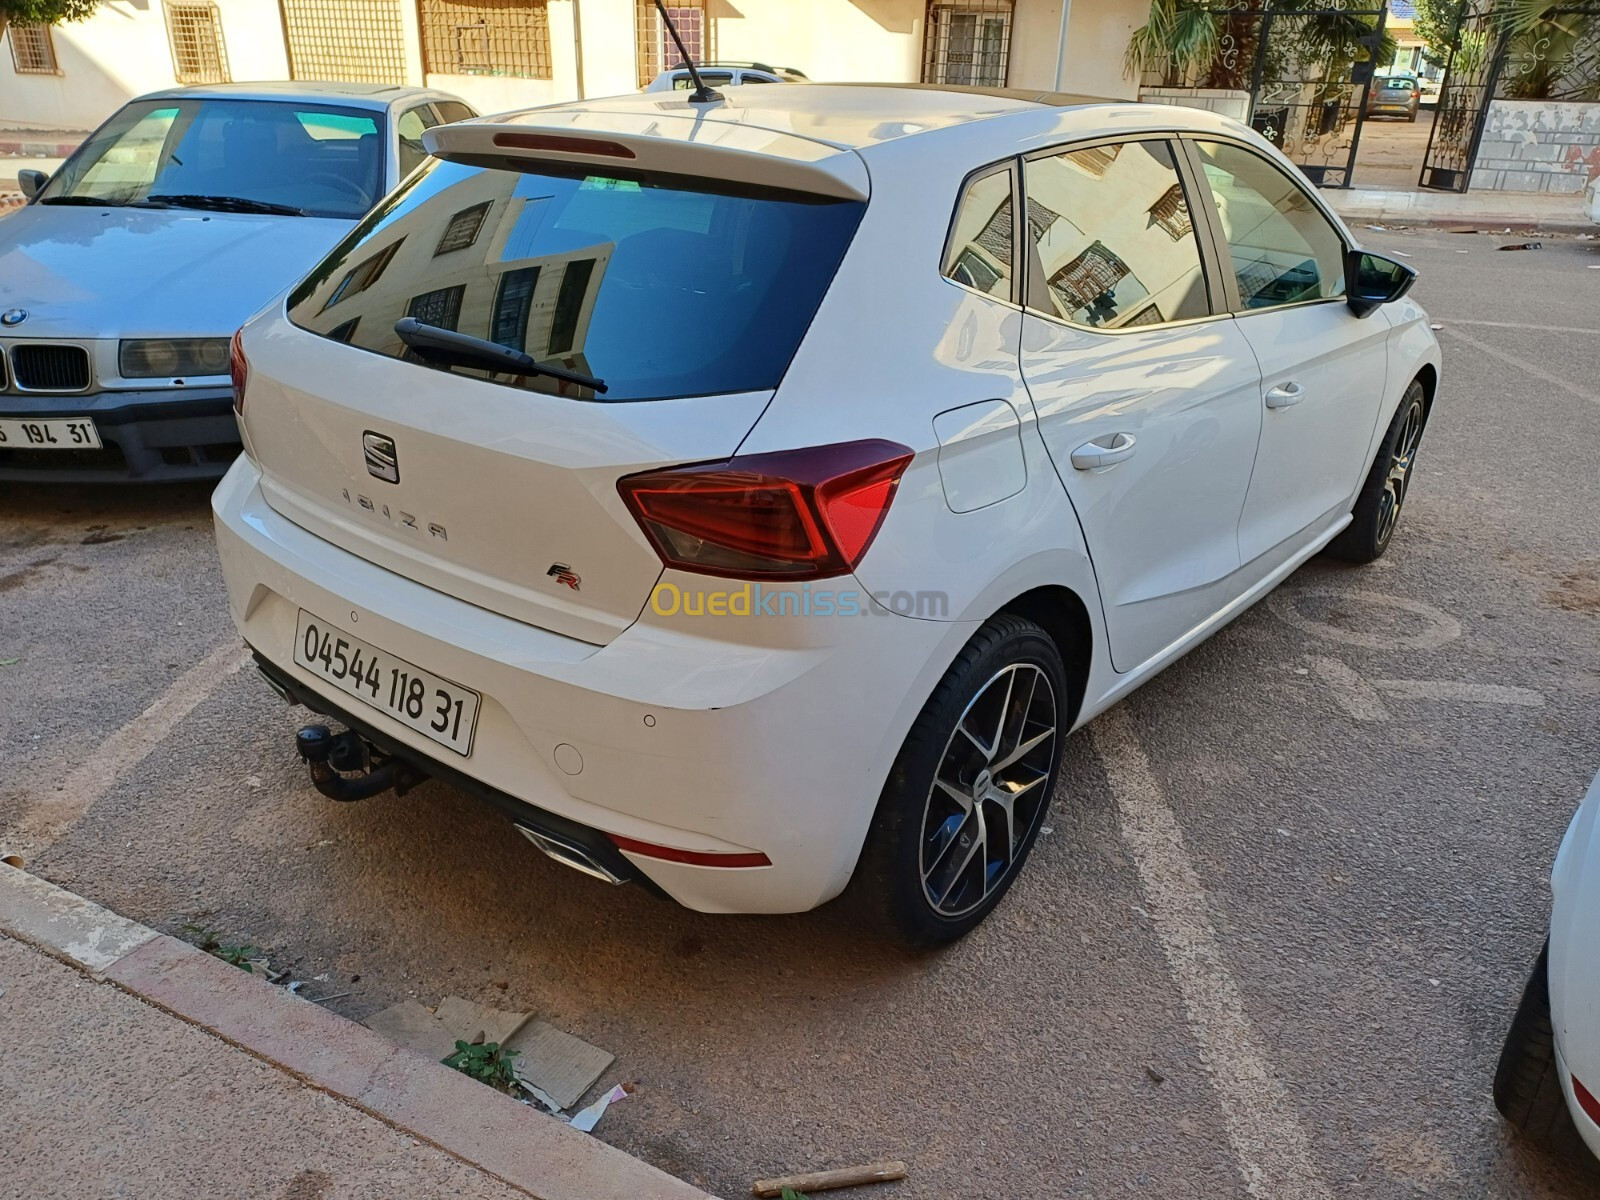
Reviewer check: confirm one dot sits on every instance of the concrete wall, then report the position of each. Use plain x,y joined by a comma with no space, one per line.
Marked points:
121,52
1227,101
1097,40
1538,146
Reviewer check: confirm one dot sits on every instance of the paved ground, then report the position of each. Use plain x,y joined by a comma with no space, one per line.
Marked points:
186,1116
1276,932
1391,150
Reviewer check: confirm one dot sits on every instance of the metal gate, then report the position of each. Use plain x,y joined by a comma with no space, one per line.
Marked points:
1496,51
1306,67
1308,92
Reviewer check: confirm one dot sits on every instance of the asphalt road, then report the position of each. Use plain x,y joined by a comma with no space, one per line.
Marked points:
1268,948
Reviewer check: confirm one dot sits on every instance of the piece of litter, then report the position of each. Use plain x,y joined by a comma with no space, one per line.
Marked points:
1301,671
1434,982
335,996
560,1065
1047,829
295,985
822,1181
415,1028
1402,254
470,1022
541,1096
9,662
1593,267
1436,326
1523,245
590,1117
323,978
1377,227
1155,1075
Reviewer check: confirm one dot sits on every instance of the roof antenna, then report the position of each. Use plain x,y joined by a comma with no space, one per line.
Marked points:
701,94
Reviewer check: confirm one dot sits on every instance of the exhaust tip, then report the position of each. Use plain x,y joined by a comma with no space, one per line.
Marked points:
570,854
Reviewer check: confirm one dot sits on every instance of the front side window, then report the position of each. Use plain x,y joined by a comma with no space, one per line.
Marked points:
228,155
980,253
1283,250
1115,244
659,285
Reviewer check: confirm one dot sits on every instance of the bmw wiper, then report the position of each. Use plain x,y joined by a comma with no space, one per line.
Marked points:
447,347
238,204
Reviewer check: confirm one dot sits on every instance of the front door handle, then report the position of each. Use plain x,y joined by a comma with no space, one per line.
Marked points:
1092,454
1285,394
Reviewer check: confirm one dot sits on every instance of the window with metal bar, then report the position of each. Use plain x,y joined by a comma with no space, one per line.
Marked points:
440,308
657,51
967,42
32,50
357,41
462,230
199,54
486,37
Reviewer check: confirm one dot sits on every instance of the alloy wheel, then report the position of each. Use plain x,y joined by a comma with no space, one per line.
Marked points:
989,789
1399,474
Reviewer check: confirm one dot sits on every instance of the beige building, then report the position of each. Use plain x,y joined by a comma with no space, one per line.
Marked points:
501,54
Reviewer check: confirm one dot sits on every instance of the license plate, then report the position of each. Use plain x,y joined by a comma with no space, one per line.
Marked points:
70,433
436,708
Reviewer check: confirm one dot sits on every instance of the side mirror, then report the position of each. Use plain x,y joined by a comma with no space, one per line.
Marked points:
1371,281
31,182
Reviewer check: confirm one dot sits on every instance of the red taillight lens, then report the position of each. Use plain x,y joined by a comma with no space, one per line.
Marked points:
239,368
796,514
1586,1100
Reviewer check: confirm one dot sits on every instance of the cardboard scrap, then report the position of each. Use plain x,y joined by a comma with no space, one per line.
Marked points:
561,1066
415,1028
478,1022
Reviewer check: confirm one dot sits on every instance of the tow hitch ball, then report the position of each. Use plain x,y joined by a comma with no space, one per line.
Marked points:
334,759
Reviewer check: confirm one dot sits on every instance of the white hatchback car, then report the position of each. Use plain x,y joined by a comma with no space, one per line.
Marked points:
1548,1079
746,497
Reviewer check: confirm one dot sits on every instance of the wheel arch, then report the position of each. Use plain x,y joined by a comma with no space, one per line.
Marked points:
1428,376
1062,614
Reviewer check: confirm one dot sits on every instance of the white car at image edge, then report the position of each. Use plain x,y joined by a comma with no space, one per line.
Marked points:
747,500
1548,1079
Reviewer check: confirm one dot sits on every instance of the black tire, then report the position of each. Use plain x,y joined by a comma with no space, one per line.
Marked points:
893,880
1527,1083
1382,497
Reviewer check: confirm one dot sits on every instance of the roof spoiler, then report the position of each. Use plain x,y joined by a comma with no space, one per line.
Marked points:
659,139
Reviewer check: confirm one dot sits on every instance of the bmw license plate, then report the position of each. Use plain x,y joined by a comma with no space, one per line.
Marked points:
71,433
434,707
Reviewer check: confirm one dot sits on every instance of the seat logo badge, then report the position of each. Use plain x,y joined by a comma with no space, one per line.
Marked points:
13,316
564,574
382,461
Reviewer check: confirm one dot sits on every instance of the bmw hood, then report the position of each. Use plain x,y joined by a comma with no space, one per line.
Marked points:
134,272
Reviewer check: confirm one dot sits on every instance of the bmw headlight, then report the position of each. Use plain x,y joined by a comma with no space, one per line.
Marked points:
152,358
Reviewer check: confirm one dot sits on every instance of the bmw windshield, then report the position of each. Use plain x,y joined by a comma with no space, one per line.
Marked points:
258,156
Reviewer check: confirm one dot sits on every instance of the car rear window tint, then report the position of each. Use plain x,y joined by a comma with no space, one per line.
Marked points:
660,285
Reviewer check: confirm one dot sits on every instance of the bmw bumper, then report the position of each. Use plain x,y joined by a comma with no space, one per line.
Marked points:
163,435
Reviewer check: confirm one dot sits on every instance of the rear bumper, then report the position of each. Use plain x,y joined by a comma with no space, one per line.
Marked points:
680,738
162,435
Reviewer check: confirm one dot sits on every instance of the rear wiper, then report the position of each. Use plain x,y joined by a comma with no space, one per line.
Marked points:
446,346
238,204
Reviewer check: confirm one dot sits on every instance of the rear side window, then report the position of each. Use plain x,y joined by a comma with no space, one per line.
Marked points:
1115,241
659,285
981,247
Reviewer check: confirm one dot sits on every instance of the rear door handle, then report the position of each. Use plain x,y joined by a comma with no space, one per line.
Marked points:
1285,394
1092,454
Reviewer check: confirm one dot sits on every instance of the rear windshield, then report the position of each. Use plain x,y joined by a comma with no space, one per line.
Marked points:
657,285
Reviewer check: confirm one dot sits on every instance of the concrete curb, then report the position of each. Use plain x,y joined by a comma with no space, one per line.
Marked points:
511,1141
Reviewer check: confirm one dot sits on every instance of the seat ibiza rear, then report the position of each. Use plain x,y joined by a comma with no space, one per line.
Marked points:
666,474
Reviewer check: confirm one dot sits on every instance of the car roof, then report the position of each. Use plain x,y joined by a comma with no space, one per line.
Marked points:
844,116
352,95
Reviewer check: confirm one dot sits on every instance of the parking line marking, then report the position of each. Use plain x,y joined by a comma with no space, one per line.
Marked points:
1522,364
1350,690
1273,1154
52,815
1518,325
1362,698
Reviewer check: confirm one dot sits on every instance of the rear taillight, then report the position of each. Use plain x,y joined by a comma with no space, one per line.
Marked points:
796,514
239,368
